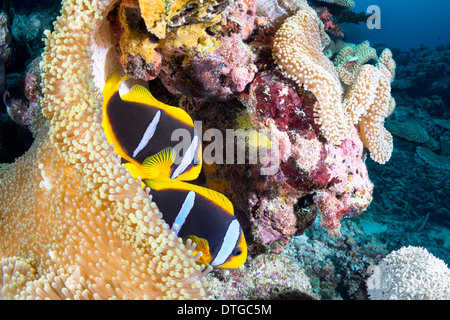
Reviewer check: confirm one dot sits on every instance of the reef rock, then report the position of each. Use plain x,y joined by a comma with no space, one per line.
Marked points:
267,277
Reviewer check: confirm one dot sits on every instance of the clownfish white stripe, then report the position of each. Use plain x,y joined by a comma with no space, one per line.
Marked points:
228,244
186,208
187,159
148,134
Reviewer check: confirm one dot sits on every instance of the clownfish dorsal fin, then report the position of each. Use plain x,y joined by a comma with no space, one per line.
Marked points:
112,85
140,94
215,197
158,165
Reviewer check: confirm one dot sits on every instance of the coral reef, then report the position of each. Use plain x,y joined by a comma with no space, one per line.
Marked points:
23,110
298,46
330,22
27,30
410,273
433,159
343,3
218,75
266,277
411,131
224,64
424,65
409,199
278,10
316,102
369,97
309,165
351,58
5,49
5,38
336,266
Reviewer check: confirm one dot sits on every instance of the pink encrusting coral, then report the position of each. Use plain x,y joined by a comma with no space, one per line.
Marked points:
216,75
336,175
331,25
351,191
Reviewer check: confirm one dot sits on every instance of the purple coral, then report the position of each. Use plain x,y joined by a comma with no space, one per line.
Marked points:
33,81
216,75
23,111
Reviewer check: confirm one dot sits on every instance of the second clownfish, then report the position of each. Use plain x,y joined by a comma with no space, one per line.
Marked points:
140,128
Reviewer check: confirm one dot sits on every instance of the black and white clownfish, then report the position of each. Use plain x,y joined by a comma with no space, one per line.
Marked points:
204,216
140,128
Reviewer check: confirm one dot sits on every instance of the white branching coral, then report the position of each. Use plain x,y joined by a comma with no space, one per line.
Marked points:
410,273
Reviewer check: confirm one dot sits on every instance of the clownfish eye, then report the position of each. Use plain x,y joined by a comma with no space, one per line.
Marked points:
237,252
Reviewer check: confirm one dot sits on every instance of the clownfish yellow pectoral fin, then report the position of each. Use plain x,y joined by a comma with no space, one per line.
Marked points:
215,197
158,166
140,94
202,246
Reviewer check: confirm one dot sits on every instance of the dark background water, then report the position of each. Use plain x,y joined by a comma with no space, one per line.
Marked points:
405,24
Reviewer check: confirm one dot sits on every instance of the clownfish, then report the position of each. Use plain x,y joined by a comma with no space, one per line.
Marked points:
204,216
141,127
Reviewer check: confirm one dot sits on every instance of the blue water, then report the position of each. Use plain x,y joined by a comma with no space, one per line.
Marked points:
407,189
405,24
